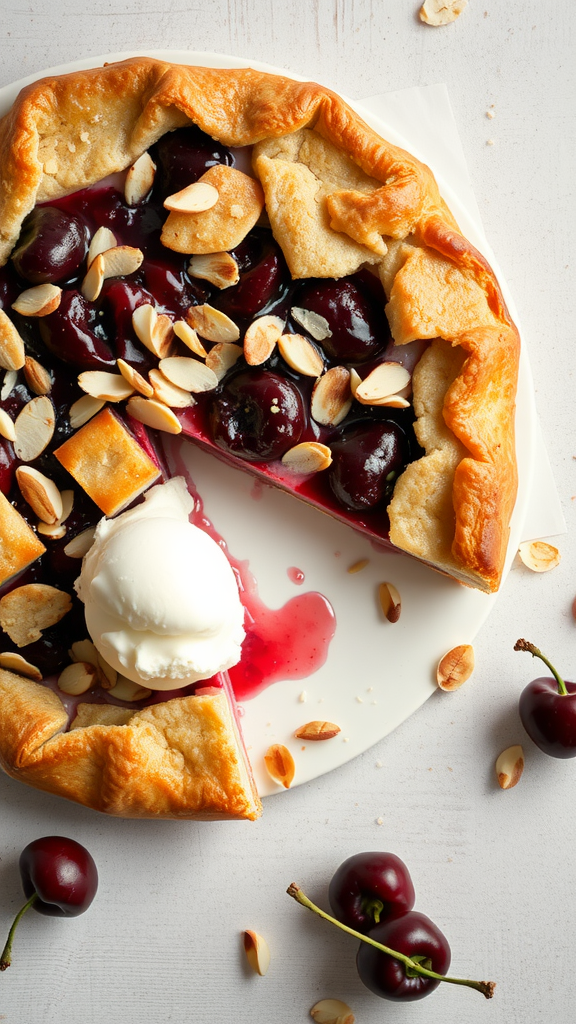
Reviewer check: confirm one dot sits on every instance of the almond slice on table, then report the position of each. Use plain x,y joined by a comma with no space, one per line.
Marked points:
211,324
301,355
83,410
455,668
332,1011
317,731
312,322
257,952
153,414
135,379
79,677
261,338
102,240
8,384
193,199
38,379
153,330
188,335
307,457
7,428
104,386
509,767
27,610
381,387
41,493
441,12
222,357
539,556
38,301
139,179
188,374
169,394
12,354
280,764
390,601
219,268
80,544
13,662
331,397
34,428
57,530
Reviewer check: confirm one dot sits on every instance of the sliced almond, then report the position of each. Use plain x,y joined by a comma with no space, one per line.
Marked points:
211,324
135,379
34,428
7,428
456,667
84,650
106,387
301,355
188,374
222,357
317,731
169,394
382,384
83,410
509,767
102,240
153,414
355,381
539,556
193,199
57,530
312,322
80,544
27,610
108,676
37,378
10,378
126,689
331,397
38,301
139,179
307,457
280,764
121,261
153,330
441,12
261,339
332,1011
93,279
77,678
257,952
219,268
188,335
40,492
390,601
358,566
13,662
12,353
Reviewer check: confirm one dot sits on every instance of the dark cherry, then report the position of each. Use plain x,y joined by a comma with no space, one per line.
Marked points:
51,247
256,288
548,709
417,937
172,288
357,322
119,300
7,466
369,888
365,464
69,333
257,416
184,155
9,287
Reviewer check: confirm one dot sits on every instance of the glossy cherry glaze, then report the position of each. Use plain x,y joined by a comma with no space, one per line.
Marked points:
369,888
257,416
417,937
52,246
62,873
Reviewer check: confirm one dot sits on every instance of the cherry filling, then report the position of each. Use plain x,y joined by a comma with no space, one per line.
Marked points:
257,416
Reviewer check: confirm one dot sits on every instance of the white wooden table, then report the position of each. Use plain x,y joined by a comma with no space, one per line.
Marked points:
495,870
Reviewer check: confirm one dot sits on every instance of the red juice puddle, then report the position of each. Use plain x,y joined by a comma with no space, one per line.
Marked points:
295,575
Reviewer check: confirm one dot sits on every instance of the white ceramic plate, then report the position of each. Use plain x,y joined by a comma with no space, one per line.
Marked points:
376,674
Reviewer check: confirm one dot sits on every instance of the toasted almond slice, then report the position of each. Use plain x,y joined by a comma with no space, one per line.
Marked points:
135,379
390,601
211,324
307,457
41,493
539,556
126,689
27,610
102,240
10,378
317,731
139,179
301,355
193,199
261,339
456,667
13,662
38,301
222,357
441,12
316,325
94,278
153,414
83,410
169,394
331,397
77,678
188,374
153,330
121,261
219,268
34,428
280,764
84,650
509,767
332,1011
385,381
12,353
358,566
54,531
389,402
188,335
257,952
107,675
355,381
80,544
7,428
67,504
37,378
106,387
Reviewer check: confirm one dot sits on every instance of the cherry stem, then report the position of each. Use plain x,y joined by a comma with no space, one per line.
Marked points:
524,645
373,908
485,987
6,958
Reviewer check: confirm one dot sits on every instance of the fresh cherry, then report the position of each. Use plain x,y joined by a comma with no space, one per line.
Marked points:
183,156
69,333
365,464
358,325
51,247
369,888
418,938
59,878
548,709
258,415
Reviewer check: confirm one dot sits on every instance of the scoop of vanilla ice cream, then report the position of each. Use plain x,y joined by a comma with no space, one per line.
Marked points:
160,597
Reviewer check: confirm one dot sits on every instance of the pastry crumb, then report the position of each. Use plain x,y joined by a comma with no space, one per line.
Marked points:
379,764
360,699
490,142
346,739
379,821
490,114
303,697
